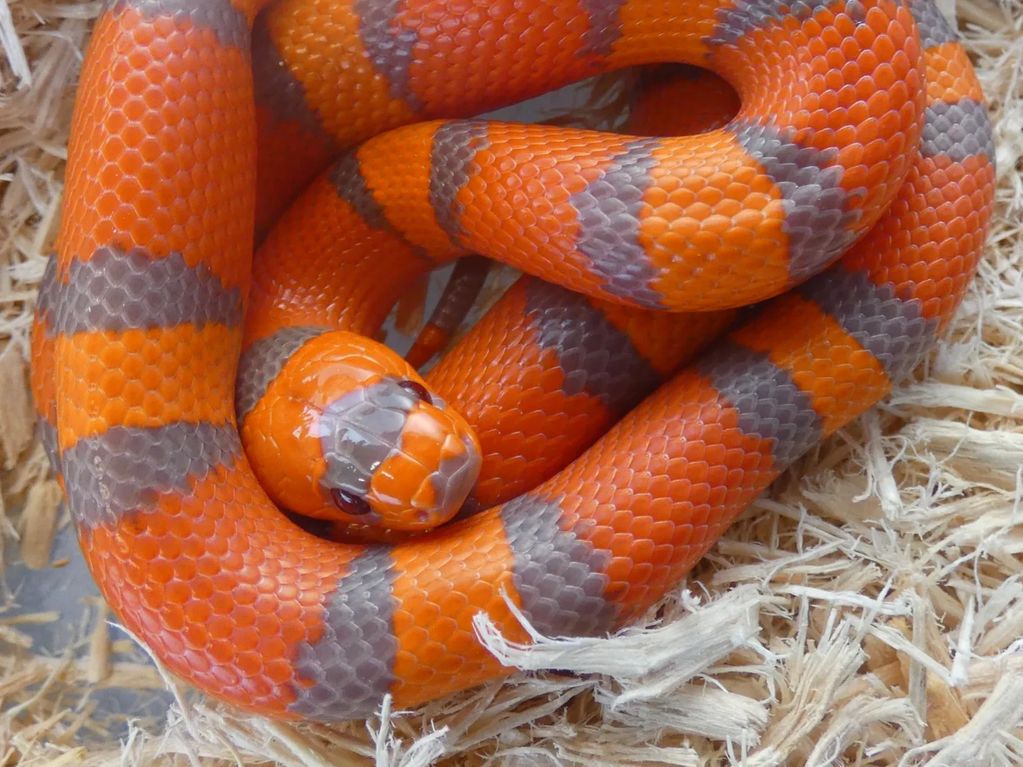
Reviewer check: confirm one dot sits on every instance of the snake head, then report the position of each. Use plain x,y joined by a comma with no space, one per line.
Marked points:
395,451
356,436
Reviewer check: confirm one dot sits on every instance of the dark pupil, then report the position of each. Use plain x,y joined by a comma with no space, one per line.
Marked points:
417,389
350,503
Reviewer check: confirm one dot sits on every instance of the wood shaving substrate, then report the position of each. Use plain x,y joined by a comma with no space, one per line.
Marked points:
866,612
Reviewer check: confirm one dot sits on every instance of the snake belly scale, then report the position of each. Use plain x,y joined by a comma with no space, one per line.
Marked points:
851,192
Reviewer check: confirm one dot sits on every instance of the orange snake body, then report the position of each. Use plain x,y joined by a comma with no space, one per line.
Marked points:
861,136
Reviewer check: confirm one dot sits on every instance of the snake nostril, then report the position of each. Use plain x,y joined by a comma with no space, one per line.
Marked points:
417,389
350,503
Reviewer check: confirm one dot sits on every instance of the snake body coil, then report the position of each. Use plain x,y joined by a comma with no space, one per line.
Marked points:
861,154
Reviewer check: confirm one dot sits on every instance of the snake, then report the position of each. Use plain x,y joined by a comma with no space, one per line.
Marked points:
834,223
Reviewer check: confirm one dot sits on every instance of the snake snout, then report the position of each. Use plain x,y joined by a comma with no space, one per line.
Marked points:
454,478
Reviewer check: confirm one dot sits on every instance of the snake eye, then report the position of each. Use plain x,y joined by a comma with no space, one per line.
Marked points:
417,390
350,503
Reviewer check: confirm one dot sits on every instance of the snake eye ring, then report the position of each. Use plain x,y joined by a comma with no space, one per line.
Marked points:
350,503
417,390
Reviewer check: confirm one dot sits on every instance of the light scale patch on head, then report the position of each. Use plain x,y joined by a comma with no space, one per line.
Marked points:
361,430
818,219
608,211
351,665
559,576
455,477
770,404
